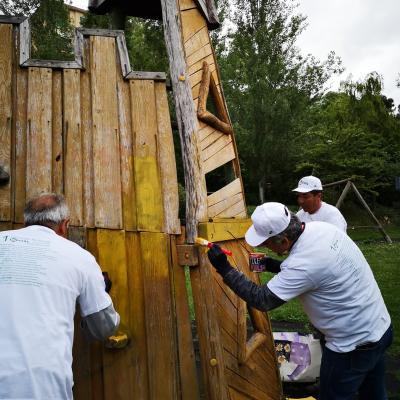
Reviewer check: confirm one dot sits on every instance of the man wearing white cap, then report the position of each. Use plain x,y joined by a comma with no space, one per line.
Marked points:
331,278
309,198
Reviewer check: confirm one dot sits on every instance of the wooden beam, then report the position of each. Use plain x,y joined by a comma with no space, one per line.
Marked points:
224,229
196,198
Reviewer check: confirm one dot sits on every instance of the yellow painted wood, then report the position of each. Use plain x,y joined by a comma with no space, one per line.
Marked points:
20,143
6,50
106,152
149,201
73,144
220,230
87,143
57,137
117,369
39,146
167,163
137,312
160,323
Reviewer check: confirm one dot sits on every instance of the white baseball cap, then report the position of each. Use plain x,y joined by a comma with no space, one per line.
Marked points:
269,219
308,184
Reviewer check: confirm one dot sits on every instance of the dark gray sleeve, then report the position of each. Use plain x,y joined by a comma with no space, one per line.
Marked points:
256,296
100,325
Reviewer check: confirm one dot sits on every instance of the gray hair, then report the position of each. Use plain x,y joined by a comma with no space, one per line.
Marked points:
292,232
47,209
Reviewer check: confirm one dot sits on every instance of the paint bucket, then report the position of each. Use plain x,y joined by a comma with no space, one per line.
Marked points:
256,262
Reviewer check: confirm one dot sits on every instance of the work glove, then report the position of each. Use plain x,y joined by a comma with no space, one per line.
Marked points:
219,260
107,281
271,265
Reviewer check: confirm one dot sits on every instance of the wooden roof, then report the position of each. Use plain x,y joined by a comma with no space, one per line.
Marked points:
151,9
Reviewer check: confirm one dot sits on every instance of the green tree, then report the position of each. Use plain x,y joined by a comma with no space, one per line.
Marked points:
51,30
353,133
268,86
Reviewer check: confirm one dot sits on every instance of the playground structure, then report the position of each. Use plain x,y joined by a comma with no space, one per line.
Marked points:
100,133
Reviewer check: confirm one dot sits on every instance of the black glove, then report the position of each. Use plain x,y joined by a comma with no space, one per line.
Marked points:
107,281
271,264
219,260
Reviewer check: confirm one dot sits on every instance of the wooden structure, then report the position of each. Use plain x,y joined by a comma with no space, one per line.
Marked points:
351,186
101,134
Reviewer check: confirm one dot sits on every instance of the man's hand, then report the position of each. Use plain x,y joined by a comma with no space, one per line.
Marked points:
219,260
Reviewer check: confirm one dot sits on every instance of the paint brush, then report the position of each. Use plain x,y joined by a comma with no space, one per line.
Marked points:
204,242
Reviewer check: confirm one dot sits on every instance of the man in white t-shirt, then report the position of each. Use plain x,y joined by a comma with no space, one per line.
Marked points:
331,278
42,277
309,198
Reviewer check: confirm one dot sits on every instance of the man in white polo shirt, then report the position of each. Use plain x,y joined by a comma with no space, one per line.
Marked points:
42,277
309,198
331,278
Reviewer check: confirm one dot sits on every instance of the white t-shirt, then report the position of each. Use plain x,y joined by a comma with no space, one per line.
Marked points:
326,213
333,281
42,276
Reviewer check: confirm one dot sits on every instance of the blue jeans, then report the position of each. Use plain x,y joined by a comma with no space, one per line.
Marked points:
361,371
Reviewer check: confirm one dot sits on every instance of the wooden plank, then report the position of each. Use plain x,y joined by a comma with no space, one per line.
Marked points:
162,347
6,58
126,149
39,146
231,189
223,156
186,4
149,200
20,144
211,351
166,162
215,147
192,22
235,210
192,69
187,361
73,145
147,75
118,382
96,348
87,142
223,229
199,55
51,64
137,321
197,40
205,131
57,134
106,156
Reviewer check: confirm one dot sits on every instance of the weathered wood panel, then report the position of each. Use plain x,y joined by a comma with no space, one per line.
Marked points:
219,158
162,350
106,154
208,330
166,162
20,143
57,137
73,145
39,135
6,57
87,142
126,148
147,177
187,361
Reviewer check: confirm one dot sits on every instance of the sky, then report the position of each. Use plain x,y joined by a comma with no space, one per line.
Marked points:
365,34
